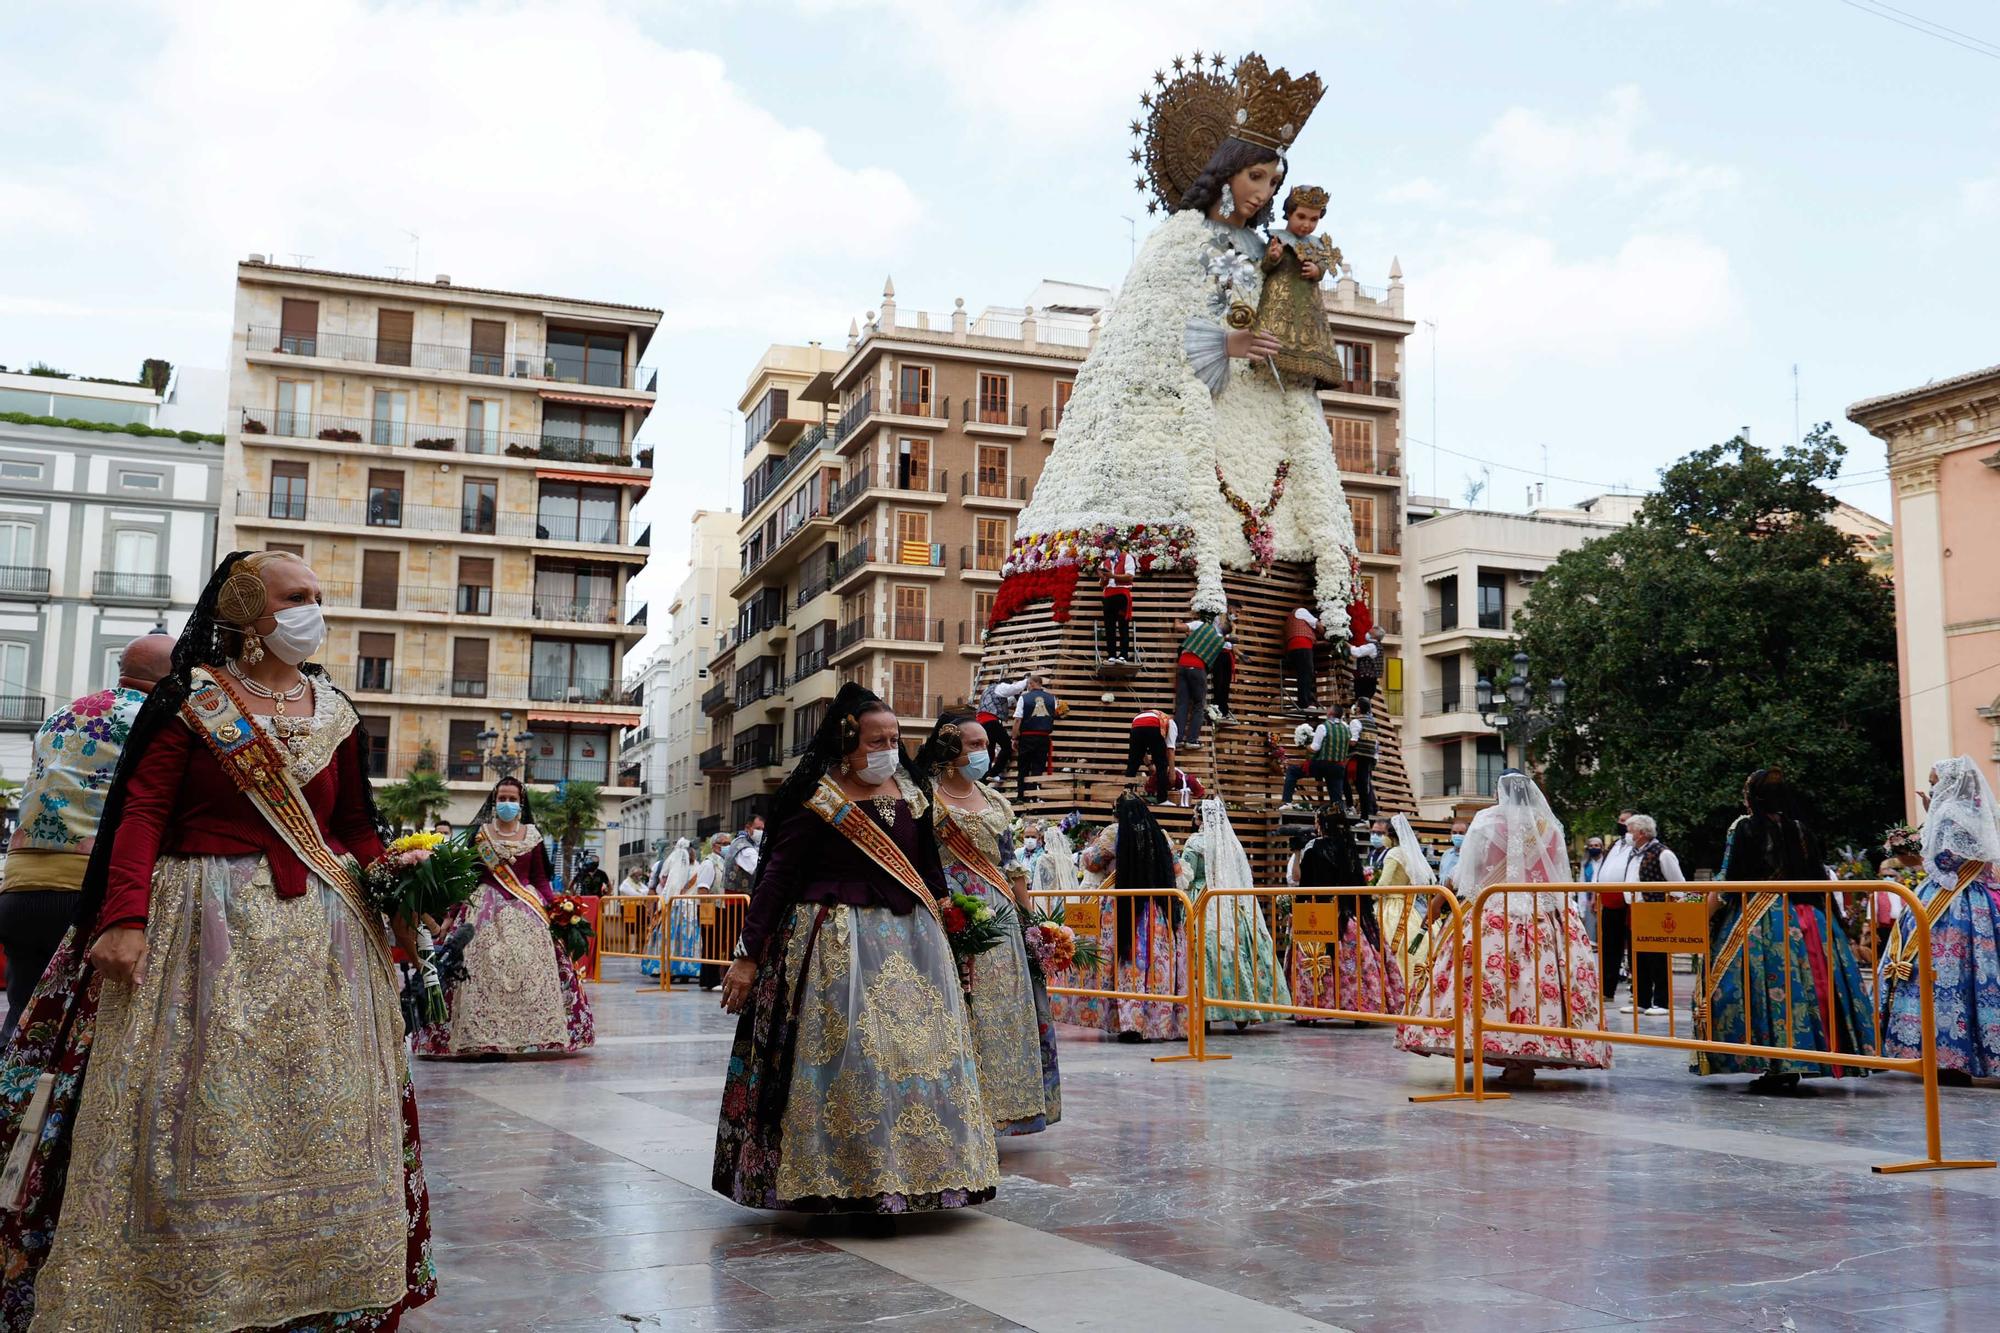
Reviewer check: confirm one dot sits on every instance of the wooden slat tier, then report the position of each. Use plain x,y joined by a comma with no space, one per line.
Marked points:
1088,773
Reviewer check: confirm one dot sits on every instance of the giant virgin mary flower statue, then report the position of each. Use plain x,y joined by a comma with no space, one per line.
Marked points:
1176,446
1185,446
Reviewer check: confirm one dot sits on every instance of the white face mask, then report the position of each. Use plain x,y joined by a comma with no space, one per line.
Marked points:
299,633
879,765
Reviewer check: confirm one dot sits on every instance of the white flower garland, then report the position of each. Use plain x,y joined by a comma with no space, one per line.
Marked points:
1142,439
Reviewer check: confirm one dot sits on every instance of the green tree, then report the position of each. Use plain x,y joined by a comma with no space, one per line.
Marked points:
414,801
1729,628
568,814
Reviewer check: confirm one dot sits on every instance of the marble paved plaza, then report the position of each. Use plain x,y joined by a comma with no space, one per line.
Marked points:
1293,1187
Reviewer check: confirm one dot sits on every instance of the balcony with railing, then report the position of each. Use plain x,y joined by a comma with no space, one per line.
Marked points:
714,762
858,410
998,417
993,488
22,712
718,699
549,366
1368,387
808,664
1441,783
1437,703
1439,619
474,600
24,582
111,585
922,484
383,512
748,757
971,633
438,438
851,561
973,560
1384,536
922,407
851,633
1378,460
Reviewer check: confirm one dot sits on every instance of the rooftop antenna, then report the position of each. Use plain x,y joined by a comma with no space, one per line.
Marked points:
1132,225
1796,435
299,260
395,270
416,254
1433,325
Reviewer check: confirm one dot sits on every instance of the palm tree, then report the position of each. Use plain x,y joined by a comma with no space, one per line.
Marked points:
567,814
414,801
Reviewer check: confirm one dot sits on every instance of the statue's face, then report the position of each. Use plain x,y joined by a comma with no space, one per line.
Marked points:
1253,187
1301,220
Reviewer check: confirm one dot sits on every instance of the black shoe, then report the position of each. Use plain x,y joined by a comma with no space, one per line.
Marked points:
1130,1038
1954,1078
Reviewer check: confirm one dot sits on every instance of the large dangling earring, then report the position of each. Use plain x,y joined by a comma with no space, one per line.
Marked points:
253,649
1228,202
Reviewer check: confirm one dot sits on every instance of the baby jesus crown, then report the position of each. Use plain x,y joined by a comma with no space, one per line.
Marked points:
1309,196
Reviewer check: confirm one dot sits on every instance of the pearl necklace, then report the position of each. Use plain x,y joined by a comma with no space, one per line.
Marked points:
264,691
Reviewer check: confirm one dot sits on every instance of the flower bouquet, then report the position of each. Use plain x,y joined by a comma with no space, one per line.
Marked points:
570,926
973,928
1054,947
422,876
1903,842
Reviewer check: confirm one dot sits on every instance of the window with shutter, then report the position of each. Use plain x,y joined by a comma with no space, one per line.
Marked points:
475,586
375,757
994,394
991,551
468,668
993,470
393,331
376,658
479,505
1362,508
489,347
379,580
298,327
912,613
913,465
288,490
906,689
462,761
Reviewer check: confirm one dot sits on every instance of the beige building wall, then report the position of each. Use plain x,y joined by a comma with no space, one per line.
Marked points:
1944,471
458,465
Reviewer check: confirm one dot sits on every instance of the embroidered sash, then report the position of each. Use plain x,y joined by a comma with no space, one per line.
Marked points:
830,803
960,844
502,866
1902,952
1753,912
255,764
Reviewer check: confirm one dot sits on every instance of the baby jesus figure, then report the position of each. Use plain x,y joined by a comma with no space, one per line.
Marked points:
1290,308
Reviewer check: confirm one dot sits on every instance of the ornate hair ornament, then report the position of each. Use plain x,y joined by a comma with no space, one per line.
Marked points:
1191,114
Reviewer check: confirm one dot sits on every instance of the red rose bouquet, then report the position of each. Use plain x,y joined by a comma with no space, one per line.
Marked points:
973,928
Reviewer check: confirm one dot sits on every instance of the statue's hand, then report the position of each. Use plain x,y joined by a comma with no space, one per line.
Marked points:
1251,343
1313,272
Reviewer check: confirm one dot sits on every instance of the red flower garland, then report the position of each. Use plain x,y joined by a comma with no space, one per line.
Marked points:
1257,522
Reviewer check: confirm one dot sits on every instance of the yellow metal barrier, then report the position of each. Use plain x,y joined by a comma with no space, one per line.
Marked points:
1924,1064
1413,1013
625,926
719,919
1087,914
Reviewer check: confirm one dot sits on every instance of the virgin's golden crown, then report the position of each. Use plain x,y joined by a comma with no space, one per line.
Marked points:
1191,113
1271,108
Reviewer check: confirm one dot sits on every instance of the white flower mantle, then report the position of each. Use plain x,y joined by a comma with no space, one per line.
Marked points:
1142,439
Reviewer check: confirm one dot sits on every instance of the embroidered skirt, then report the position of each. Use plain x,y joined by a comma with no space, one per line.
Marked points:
852,1085
1540,968
1242,959
233,1142
1012,1039
1791,999
1965,958
1156,964
519,994
1358,975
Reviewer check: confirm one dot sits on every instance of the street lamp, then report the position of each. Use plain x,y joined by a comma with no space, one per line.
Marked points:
505,751
1515,716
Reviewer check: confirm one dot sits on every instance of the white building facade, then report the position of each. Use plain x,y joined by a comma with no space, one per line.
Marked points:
103,536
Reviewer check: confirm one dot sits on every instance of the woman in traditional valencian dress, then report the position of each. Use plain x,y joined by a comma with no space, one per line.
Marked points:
1146,935
1013,1037
852,1085
1961,895
1178,445
1404,937
518,993
1239,951
1357,974
1772,939
676,879
225,1136
1539,967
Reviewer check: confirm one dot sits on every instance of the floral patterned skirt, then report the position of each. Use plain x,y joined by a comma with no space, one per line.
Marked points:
1785,944
1011,1038
852,1085
519,993
1156,964
1358,975
1540,968
1965,959
243,1153
1241,959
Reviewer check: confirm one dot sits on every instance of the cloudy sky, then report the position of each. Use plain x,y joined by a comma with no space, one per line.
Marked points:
1628,222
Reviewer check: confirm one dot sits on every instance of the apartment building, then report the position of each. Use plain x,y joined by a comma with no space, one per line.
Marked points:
660,756
104,535
1364,414
1474,569
881,487
459,466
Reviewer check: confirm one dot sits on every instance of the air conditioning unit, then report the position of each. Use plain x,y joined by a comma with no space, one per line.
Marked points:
1528,578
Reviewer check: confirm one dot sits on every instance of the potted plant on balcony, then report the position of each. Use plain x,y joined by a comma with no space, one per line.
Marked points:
437,442
521,451
340,435
252,426
646,456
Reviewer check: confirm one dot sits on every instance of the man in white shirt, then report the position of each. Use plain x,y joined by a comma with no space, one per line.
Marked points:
1448,863
1154,736
706,880
1614,923
1651,862
1327,748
